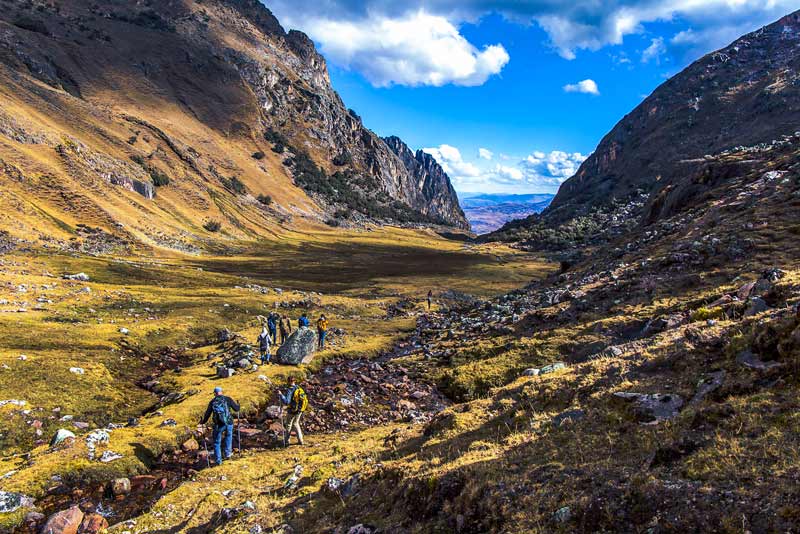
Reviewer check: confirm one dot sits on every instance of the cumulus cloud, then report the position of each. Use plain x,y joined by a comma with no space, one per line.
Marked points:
654,51
449,157
588,87
537,172
571,26
485,153
414,49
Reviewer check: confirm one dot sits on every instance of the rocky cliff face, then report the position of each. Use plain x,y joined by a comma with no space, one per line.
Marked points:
431,184
191,90
653,161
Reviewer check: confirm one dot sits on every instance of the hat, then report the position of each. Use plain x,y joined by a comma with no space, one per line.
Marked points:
217,389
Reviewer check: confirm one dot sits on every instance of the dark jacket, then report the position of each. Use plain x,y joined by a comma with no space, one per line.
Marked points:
232,406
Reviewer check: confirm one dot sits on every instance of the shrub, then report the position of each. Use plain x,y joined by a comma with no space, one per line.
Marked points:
265,199
258,155
343,159
212,226
278,148
235,185
703,314
159,178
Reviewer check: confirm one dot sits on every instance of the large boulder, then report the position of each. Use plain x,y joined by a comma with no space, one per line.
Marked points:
93,524
64,522
299,348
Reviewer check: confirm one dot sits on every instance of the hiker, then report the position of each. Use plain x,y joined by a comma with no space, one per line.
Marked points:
265,340
272,324
285,326
303,321
219,410
322,330
297,401
430,299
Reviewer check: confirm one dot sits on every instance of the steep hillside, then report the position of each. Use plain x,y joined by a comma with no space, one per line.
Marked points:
163,123
654,163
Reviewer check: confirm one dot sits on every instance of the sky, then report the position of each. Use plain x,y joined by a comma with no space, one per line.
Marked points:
510,96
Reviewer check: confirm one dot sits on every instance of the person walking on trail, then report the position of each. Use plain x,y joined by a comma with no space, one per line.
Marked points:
303,321
272,325
285,327
220,411
430,299
322,330
265,340
297,401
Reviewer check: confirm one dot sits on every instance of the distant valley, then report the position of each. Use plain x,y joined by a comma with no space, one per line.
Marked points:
487,212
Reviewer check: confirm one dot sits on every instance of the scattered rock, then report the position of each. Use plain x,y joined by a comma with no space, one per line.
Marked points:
361,529
562,515
707,385
531,372
552,368
568,417
109,456
93,524
168,422
224,372
81,277
748,359
190,445
60,436
653,408
757,305
64,522
10,501
124,331
120,486
77,370
224,335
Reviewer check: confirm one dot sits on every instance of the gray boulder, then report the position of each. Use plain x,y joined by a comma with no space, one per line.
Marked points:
653,408
299,348
224,372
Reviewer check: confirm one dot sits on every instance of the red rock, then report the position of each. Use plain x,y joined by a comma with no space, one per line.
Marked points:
140,481
190,445
93,524
249,432
64,522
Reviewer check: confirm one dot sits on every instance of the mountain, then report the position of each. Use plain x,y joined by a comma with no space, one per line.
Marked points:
162,123
487,212
655,161
432,183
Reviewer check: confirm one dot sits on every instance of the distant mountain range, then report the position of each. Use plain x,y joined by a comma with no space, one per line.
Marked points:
487,212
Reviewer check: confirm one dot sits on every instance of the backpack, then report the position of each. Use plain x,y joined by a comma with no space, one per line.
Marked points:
303,321
220,411
299,401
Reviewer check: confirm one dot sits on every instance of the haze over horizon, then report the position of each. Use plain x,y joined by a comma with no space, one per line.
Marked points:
510,97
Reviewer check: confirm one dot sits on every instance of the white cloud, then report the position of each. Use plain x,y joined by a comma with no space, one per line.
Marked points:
509,173
449,157
551,168
571,27
414,49
584,86
654,51
485,153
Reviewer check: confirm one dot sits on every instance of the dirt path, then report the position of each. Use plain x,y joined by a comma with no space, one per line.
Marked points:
346,395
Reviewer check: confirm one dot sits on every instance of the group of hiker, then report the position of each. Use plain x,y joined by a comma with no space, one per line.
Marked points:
281,324
221,409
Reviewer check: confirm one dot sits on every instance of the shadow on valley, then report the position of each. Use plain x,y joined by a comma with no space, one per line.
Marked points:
342,266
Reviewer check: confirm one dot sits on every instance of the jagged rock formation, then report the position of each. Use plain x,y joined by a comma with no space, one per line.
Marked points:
194,107
654,163
431,185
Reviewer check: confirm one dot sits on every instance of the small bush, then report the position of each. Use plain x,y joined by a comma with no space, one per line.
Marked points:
703,314
265,199
343,159
279,148
235,185
258,155
159,178
212,226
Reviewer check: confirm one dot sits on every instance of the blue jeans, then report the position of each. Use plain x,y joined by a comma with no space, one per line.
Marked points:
322,334
273,334
265,356
217,435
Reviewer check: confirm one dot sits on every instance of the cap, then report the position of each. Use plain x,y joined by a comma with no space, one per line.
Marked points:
217,389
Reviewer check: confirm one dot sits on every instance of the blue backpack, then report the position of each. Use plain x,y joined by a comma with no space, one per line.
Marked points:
304,321
221,413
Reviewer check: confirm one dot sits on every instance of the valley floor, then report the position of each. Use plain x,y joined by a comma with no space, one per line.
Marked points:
76,352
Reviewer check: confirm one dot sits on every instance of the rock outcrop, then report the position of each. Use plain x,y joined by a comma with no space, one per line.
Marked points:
299,348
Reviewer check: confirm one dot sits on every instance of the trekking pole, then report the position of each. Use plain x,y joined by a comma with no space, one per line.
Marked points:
205,444
239,430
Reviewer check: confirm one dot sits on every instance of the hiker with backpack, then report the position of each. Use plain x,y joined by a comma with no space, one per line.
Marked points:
297,401
264,343
430,299
285,327
303,321
220,411
272,325
322,330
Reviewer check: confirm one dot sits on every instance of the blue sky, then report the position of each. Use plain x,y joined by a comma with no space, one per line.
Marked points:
511,96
